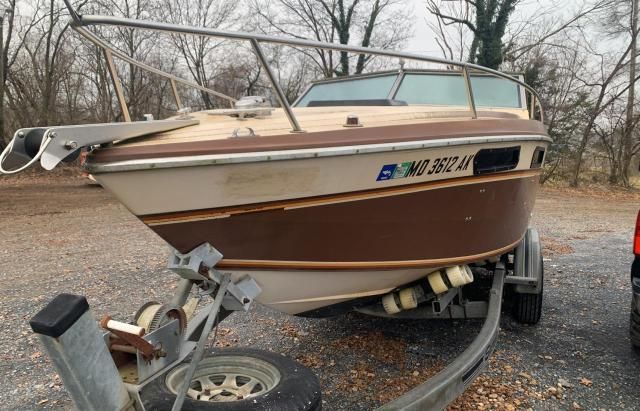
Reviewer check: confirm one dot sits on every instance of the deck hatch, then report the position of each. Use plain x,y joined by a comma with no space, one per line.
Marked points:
491,160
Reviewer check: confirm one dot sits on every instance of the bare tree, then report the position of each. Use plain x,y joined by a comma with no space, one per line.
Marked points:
554,73
626,148
611,131
40,61
452,43
488,27
367,23
544,26
609,90
8,15
198,51
137,44
495,37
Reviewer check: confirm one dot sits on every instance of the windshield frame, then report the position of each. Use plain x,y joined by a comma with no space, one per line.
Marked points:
401,76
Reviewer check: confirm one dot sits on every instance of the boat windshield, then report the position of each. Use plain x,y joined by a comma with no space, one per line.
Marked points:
366,88
428,88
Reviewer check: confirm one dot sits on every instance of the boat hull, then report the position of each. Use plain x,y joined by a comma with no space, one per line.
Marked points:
319,230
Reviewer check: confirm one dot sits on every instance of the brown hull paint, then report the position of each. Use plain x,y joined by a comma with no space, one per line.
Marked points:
334,138
437,224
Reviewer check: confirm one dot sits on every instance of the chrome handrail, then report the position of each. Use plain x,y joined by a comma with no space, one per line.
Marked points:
78,22
105,46
110,51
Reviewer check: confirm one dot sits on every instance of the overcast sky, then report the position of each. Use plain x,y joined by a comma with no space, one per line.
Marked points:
422,41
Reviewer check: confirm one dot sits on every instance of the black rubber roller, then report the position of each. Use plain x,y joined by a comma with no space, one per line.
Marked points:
32,141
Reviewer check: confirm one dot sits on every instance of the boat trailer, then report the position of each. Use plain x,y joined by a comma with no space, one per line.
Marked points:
108,365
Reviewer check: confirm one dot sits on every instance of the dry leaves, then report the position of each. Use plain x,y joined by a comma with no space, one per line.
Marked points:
375,344
310,360
593,191
551,246
586,382
498,389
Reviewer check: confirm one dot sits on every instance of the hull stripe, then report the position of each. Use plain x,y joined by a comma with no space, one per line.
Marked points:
228,264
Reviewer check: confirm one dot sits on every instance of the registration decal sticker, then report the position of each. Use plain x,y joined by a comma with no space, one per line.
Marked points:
387,172
401,170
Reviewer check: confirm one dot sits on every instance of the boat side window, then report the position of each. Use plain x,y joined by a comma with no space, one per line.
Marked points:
449,90
492,160
367,88
538,157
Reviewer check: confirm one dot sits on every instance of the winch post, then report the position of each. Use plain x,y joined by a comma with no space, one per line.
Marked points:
182,293
197,355
70,334
199,265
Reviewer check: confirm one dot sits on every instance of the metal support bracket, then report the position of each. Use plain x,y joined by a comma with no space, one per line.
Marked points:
463,310
198,265
527,265
469,89
51,145
117,85
295,127
197,355
195,264
440,304
168,338
176,95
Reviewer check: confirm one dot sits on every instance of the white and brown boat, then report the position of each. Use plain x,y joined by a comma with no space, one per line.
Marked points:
365,184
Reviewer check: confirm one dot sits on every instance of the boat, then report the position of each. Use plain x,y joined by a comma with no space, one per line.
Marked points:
365,185
404,193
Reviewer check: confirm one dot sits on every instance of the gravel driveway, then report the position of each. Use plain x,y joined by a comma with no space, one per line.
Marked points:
60,235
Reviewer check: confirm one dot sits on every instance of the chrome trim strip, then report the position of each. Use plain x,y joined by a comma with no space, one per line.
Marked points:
254,157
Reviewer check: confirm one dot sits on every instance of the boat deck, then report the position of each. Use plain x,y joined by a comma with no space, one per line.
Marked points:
218,125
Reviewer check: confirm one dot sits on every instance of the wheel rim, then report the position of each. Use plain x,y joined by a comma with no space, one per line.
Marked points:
226,378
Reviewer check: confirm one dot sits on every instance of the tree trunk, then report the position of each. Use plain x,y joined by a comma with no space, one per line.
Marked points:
473,50
627,142
583,145
4,140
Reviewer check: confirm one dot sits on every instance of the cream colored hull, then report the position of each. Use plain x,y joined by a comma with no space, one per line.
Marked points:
295,292
230,181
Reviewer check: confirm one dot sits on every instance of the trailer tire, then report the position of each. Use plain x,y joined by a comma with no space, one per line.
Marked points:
527,308
282,383
634,328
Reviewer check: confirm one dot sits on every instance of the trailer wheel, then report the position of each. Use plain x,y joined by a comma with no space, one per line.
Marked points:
634,328
238,379
527,308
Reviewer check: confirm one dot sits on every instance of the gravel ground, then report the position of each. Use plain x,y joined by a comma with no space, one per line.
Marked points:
61,235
